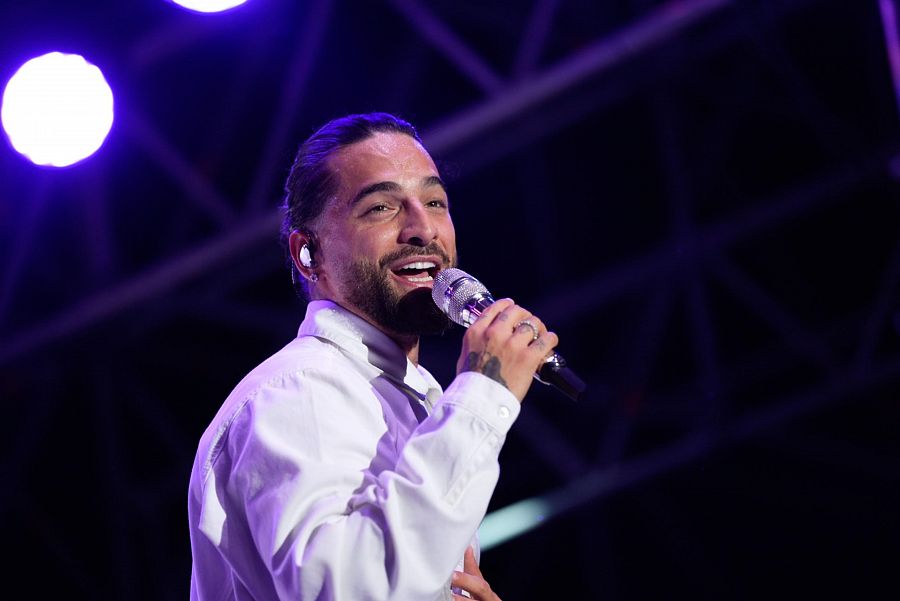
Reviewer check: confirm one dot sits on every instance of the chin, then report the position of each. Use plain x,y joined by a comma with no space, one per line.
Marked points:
417,314
397,307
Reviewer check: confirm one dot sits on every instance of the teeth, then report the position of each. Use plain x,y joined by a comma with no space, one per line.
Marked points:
426,278
419,265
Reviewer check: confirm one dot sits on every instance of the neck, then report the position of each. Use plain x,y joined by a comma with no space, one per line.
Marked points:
409,343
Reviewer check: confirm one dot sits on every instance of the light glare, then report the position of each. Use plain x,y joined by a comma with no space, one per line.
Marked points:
57,109
208,6
511,521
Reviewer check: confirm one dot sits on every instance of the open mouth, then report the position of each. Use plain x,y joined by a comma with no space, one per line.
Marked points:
417,272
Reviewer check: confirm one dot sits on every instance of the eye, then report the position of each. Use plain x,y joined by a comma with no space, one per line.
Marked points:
437,203
380,208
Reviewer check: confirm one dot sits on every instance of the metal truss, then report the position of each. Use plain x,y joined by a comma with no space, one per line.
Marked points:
93,342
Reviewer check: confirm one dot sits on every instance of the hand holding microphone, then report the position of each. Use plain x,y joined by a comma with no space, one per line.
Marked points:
505,342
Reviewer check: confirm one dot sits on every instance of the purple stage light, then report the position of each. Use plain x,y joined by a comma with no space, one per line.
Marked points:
208,6
57,109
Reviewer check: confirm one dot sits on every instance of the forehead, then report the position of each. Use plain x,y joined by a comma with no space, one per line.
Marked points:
384,157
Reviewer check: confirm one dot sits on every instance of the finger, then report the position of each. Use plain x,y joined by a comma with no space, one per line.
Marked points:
469,564
492,596
512,313
536,322
543,346
529,331
504,324
472,584
534,331
546,342
487,318
525,330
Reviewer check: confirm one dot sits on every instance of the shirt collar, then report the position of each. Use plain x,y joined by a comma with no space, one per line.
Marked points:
327,320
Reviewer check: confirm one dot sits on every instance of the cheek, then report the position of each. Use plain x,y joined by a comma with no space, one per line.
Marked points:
370,244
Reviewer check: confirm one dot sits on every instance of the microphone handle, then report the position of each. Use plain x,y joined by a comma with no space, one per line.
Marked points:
474,307
552,372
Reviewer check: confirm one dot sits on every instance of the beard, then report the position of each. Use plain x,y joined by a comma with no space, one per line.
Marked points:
411,314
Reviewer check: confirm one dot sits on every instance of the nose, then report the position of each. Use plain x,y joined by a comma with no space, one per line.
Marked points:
418,229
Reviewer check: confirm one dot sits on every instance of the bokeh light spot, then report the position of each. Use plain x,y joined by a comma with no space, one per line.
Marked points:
208,6
57,109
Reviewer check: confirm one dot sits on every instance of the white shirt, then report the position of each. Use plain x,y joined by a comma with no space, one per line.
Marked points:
316,480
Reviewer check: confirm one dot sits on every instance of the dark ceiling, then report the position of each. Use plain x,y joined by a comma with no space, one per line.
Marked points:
700,196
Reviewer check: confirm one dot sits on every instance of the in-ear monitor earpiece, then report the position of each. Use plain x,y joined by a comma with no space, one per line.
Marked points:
305,256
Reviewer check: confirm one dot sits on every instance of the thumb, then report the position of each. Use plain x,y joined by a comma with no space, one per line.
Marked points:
469,564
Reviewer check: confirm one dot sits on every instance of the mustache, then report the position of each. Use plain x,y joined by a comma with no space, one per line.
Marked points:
406,252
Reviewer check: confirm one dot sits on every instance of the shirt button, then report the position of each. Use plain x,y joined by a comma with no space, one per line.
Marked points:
503,412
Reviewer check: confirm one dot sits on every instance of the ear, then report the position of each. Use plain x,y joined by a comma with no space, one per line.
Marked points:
296,241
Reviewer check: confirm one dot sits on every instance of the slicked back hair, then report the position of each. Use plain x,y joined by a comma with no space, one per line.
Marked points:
311,183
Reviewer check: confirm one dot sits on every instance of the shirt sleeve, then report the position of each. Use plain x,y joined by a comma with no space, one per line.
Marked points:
327,520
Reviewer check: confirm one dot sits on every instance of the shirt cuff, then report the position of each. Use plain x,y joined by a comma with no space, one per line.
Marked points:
486,398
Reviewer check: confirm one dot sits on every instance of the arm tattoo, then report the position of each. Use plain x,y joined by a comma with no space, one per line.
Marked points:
485,363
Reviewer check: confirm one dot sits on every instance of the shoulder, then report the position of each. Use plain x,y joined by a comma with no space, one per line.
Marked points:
288,391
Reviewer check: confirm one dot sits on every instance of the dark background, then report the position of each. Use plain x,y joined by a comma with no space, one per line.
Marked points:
700,197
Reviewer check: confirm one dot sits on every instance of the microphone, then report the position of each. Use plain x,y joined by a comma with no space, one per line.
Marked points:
464,299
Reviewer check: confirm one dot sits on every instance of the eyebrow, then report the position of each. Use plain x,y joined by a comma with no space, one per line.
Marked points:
427,182
434,181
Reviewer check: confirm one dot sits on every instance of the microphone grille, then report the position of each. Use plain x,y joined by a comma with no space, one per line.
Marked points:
453,289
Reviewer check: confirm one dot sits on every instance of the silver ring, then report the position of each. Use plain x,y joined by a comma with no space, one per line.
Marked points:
534,330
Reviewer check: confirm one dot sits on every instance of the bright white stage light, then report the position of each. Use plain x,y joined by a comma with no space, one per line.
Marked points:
57,109
209,6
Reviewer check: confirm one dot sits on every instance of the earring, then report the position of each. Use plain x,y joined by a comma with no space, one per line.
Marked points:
313,277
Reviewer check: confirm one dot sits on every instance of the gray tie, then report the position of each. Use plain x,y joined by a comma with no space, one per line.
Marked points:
430,399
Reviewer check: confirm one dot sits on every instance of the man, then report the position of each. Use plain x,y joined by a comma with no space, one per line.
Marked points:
338,469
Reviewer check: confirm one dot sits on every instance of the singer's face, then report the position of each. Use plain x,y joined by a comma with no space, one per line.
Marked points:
385,234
